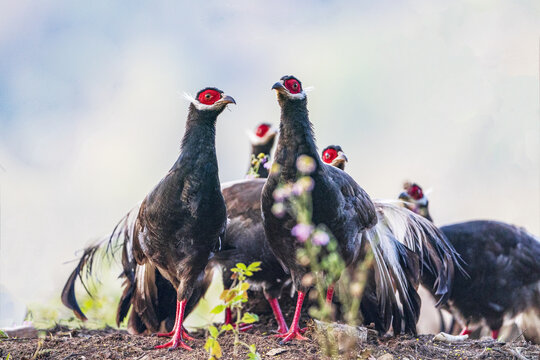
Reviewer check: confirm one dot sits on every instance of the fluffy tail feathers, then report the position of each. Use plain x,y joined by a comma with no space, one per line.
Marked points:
106,247
406,247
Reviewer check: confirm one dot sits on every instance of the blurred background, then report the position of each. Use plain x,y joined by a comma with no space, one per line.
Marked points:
91,109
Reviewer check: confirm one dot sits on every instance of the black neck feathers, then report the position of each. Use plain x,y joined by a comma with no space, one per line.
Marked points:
296,136
199,141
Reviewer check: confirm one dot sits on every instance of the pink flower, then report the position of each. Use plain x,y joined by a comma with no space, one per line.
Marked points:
267,165
320,238
302,185
305,164
302,232
280,194
278,209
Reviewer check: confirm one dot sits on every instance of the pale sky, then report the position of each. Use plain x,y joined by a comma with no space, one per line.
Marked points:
92,114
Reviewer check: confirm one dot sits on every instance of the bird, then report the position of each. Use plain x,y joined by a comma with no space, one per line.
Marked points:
347,211
181,222
334,155
502,268
153,297
262,141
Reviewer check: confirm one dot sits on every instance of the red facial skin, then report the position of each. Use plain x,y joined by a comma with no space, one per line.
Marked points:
209,97
329,155
415,192
262,130
293,86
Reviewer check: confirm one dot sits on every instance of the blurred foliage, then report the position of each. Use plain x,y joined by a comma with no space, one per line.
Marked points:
100,307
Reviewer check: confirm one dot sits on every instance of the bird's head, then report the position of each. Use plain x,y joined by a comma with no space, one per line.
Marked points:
264,134
415,199
334,155
289,88
211,99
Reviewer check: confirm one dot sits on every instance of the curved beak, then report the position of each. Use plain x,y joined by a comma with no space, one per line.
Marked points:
342,156
404,196
227,100
278,87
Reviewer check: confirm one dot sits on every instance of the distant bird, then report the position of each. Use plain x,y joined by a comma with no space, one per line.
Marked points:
181,222
502,263
334,155
350,215
262,142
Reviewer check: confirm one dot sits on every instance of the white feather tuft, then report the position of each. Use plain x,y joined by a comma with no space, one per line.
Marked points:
196,102
256,140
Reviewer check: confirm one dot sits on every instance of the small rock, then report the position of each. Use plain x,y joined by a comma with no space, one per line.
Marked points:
25,331
347,336
276,351
442,336
386,357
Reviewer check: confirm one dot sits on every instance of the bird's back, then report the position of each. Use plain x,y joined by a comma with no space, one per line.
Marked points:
503,265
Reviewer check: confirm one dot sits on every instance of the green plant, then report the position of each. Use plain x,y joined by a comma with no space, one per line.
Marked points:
234,298
256,163
319,254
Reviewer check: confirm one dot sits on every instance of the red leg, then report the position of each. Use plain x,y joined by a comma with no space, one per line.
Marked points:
177,340
228,320
186,335
330,294
294,331
465,331
228,316
495,334
282,325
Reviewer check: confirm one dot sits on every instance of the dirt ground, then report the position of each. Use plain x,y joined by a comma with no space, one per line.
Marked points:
63,343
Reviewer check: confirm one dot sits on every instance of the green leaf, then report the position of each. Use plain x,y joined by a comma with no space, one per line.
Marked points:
218,309
216,350
252,348
227,327
237,298
213,331
208,345
3,335
244,286
249,318
241,266
248,273
254,266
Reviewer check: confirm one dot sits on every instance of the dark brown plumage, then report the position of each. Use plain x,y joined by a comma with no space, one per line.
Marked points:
502,266
348,212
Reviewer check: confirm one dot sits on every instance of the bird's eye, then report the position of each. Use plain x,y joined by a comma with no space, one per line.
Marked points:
209,96
293,86
416,192
329,155
262,130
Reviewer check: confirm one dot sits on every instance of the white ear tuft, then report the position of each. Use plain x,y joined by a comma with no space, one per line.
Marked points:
189,97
